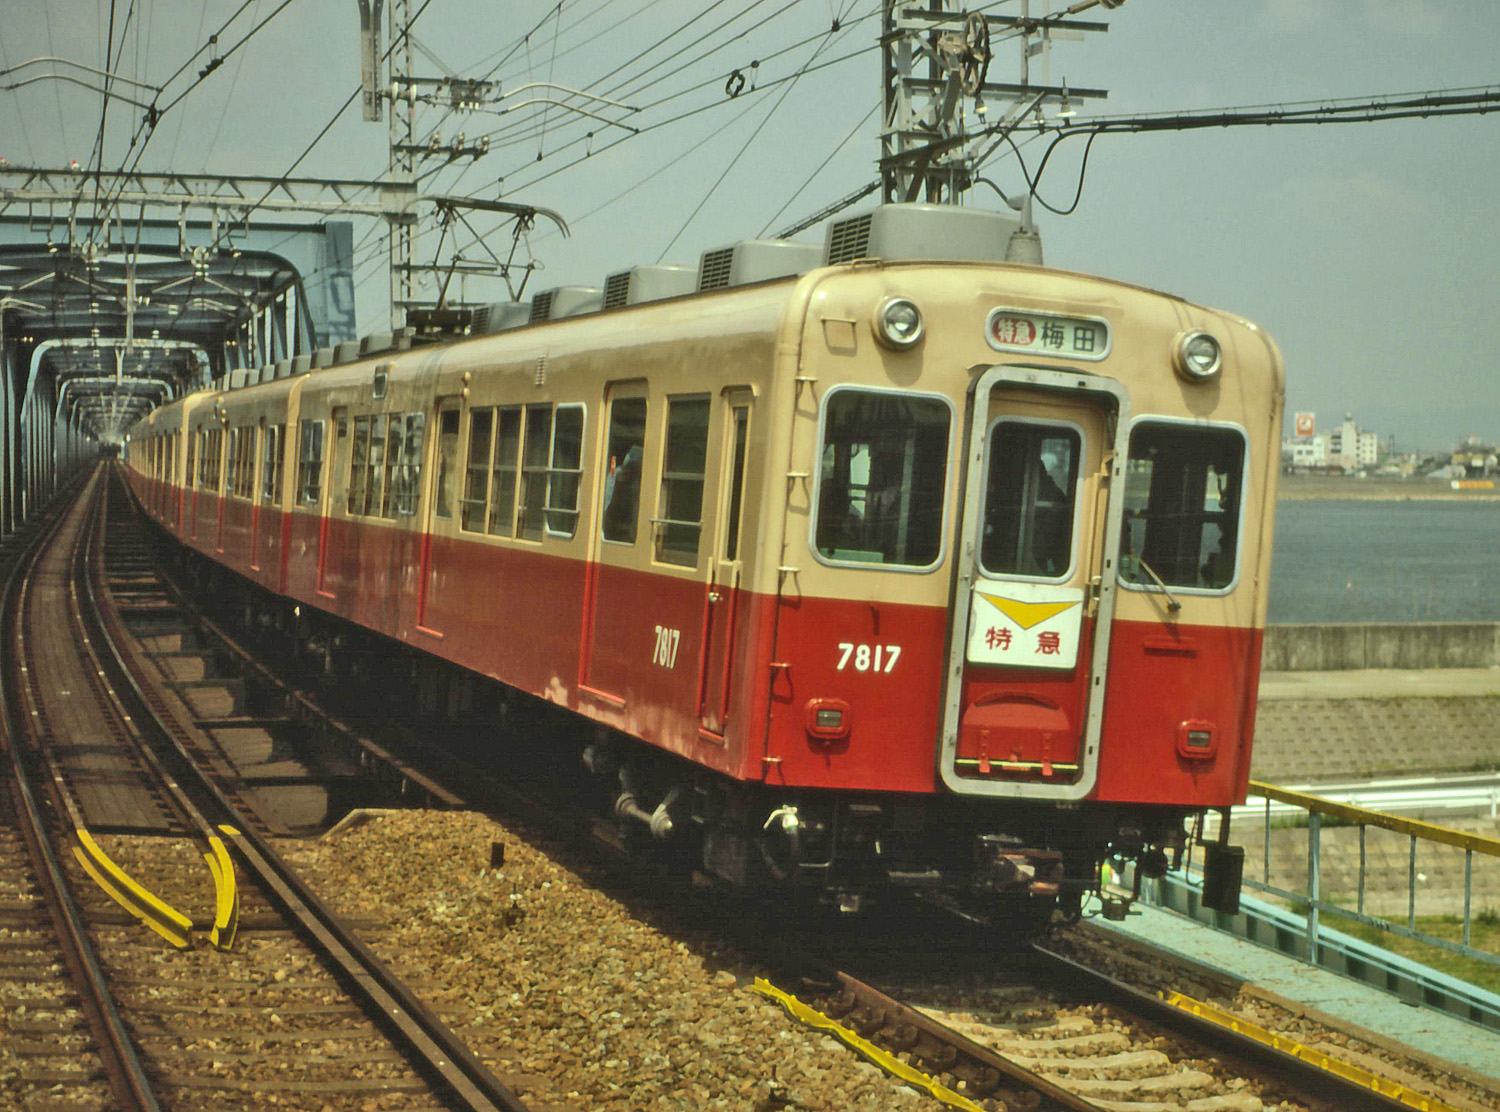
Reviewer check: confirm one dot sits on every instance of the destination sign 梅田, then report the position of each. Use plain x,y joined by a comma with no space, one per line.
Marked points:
1047,334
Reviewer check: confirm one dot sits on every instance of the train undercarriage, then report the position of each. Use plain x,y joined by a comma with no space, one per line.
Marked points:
1009,862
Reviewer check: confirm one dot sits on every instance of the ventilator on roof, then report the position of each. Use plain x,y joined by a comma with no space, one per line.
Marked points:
755,260
648,283
921,231
566,301
499,316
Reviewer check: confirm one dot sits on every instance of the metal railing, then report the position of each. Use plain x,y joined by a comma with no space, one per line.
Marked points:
1327,820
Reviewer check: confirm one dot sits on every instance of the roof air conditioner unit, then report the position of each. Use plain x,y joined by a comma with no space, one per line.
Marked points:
920,231
566,301
648,283
323,357
755,260
346,352
301,364
280,369
376,342
500,316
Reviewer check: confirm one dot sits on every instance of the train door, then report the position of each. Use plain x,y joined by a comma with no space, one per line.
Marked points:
722,610
436,550
331,534
1035,584
615,582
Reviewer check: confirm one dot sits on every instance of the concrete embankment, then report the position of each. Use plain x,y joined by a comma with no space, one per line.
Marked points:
1377,699
1358,645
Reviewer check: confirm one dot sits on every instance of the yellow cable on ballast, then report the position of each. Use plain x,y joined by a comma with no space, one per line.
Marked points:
887,1061
226,895
160,916
1326,1062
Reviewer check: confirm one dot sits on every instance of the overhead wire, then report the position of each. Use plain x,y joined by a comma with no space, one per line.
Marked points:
746,146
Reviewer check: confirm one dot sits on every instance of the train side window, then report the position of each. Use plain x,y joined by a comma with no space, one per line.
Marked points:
477,471
232,476
275,453
623,458
680,503
535,461
447,459
394,441
1182,505
506,472
375,467
737,482
1030,498
565,471
270,465
359,463
883,471
310,462
244,466
408,483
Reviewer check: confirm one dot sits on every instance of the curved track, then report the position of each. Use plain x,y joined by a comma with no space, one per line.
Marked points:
109,794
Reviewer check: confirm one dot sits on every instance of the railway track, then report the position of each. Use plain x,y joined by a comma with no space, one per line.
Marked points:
1069,1042
240,993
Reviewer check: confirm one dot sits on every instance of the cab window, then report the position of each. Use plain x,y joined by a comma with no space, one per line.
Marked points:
883,470
1030,493
1183,485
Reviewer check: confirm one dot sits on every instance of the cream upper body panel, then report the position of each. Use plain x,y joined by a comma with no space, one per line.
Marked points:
839,350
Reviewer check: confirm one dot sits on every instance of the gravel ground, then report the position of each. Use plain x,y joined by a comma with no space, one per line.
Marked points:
571,998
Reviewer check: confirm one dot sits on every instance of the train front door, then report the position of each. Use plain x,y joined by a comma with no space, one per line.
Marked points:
722,606
1035,587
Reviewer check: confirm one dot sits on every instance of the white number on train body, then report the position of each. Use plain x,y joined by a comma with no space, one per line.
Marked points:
666,647
868,658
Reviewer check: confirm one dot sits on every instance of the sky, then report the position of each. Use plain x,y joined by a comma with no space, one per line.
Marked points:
1368,251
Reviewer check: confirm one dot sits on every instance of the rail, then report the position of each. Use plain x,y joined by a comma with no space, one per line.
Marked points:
1324,816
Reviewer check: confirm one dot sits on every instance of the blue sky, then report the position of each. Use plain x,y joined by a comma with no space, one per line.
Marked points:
1369,251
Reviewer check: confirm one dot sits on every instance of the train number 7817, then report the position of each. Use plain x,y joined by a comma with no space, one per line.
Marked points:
868,658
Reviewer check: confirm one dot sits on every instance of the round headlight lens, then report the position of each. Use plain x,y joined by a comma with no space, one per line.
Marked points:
1198,356
898,322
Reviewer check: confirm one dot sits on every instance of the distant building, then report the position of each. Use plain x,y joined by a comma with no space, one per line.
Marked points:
1475,459
1349,448
1344,448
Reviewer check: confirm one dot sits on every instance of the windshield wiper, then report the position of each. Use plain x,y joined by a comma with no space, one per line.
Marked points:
1172,603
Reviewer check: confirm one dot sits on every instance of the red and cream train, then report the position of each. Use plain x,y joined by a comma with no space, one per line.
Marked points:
941,574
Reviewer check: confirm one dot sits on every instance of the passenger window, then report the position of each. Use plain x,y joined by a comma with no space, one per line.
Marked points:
447,454
622,478
394,439
477,472
1182,505
1029,499
408,484
359,463
737,482
883,470
271,465
680,506
534,464
565,471
506,473
310,462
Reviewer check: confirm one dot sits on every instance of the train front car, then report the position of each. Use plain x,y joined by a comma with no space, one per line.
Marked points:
1019,617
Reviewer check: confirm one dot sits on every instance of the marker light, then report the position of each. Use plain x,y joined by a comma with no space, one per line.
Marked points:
898,323
1198,357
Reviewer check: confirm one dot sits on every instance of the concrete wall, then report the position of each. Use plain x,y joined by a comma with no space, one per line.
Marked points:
1328,648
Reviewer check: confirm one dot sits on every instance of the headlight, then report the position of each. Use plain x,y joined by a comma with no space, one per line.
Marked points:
898,323
1198,357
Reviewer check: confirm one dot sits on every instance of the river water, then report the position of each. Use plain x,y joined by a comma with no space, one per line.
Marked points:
1376,561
